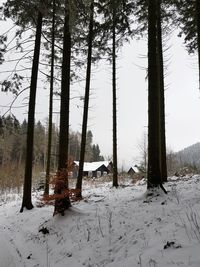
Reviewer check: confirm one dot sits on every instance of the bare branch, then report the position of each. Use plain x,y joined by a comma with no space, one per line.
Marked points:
8,30
15,100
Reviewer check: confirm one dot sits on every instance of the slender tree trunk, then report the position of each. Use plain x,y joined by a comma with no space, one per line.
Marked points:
46,190
86,103
198,33
65,93
153,173
64,203
163,160
26,201
115,171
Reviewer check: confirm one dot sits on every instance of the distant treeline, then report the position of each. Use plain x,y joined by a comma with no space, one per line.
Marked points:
13,144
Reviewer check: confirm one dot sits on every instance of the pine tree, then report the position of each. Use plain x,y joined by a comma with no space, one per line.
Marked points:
27,200
46,190
160,15
117,27
188,20
26,14
154,172
163,161
114,89
86,102
64,203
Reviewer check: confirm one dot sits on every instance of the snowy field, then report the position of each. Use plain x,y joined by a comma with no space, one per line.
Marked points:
111,227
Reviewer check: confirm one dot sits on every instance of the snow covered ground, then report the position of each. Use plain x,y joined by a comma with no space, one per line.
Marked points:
124,227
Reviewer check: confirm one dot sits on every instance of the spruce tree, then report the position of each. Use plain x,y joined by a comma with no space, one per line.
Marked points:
163,161
188,20
63,203
27,194
154,164
48,165
160,16
117,27
86,102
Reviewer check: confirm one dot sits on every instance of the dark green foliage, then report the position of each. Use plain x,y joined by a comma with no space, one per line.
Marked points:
123,21
3,40
92,152
13,144
96,153
88,146
23,12
14,84
12,141
168,16
39,145
186,21
74,145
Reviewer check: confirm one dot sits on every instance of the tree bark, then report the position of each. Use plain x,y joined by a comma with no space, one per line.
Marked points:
153,173
62,204
163,160
115,171
198,33
27,200
86,103
65,93
46,189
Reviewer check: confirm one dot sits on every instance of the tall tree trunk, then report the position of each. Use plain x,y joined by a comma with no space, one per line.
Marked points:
46,190
27,200
198,33
163,160
153,173
62,204
65,93
115,171
86,102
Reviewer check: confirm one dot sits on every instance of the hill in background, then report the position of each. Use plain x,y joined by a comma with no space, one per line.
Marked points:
189,155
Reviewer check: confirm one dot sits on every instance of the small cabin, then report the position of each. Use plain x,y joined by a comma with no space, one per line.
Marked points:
93,169
133,170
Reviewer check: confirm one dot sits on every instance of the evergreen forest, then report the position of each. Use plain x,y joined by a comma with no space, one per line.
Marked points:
69,38
62,201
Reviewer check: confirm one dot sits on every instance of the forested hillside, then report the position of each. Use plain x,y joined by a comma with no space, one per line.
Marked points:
189,156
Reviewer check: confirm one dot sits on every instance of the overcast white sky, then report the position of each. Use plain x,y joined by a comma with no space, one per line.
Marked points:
182,101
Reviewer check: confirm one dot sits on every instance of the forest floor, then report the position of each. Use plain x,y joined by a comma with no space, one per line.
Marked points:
124,227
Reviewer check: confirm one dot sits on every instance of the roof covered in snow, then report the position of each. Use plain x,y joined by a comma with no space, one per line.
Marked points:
134,168
93,166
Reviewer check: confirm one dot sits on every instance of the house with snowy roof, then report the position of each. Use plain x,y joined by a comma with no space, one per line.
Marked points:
133,170
93,169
